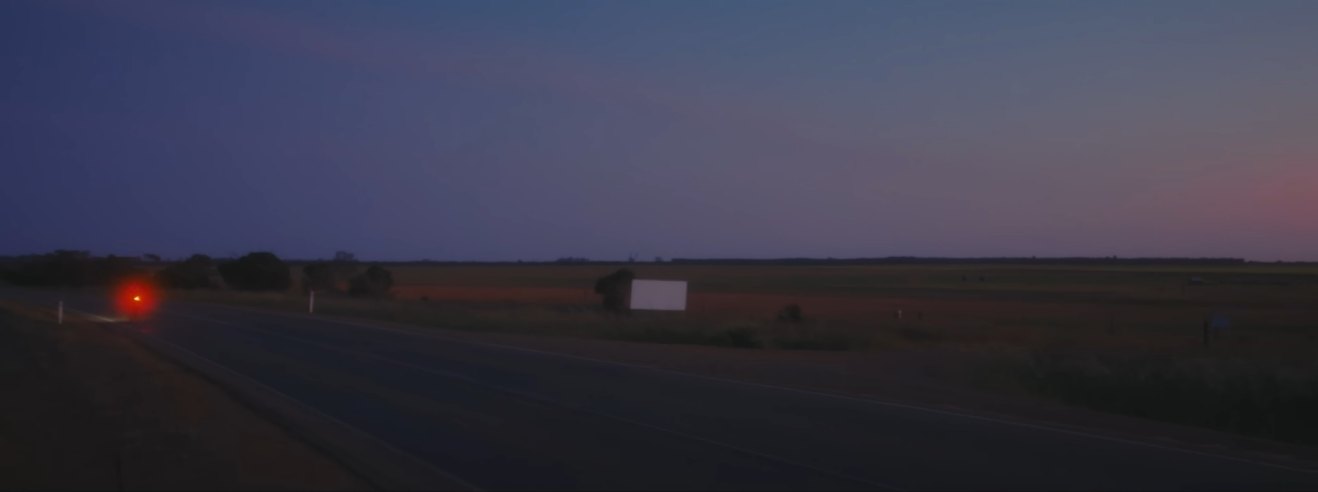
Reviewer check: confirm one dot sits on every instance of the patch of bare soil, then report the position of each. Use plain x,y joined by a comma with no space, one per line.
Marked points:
84,408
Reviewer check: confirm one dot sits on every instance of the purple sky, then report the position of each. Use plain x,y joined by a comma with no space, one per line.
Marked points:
537,130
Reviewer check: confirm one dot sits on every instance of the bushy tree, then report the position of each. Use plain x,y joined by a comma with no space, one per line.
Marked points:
196,272
615,287
320,276
374,282
257,271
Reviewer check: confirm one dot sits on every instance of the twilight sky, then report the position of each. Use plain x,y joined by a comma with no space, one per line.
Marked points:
537,130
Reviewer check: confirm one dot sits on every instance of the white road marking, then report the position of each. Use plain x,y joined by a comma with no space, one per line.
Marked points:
96,317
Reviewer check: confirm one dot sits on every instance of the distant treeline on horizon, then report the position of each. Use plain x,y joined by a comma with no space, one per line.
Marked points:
892,260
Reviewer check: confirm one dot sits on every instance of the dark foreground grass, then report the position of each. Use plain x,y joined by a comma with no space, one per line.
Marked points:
1250,397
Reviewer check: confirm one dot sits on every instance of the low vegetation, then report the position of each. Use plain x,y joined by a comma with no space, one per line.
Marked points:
374,282
196,272
320,277
67,268
260,271
614,289
1274,401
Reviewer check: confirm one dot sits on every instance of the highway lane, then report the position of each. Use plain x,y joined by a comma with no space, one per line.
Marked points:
503,418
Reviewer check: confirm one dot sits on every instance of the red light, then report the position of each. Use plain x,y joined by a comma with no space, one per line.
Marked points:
135,299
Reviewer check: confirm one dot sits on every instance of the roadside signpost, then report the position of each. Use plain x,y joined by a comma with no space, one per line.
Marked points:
659,295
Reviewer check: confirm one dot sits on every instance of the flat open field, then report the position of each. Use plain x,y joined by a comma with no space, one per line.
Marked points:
1264,302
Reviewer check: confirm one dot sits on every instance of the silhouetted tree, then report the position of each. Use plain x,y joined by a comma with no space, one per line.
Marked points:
615,287
151,257
196,272
257,271
374,282
320,276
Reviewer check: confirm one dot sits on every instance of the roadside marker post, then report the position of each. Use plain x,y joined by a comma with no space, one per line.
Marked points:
60,317
311,305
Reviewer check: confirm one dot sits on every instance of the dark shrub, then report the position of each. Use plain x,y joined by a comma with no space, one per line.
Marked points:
735,337
615,287
320,276
791,314
73,269
63,267
196,272
374,282
257,271
114,268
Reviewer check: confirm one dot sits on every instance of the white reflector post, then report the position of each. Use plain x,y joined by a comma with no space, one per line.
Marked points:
659,295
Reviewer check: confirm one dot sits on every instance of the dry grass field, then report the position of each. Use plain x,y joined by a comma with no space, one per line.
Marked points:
1125,339
1275,307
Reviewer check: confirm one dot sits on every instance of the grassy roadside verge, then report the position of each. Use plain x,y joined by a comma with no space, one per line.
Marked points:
87,409
1249,396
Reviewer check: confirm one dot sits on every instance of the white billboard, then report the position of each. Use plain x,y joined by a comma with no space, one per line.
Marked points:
659,295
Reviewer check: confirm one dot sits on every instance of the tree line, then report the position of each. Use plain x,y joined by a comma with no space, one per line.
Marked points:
256,271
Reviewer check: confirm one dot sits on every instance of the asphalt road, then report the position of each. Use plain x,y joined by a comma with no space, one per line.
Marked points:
505,418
